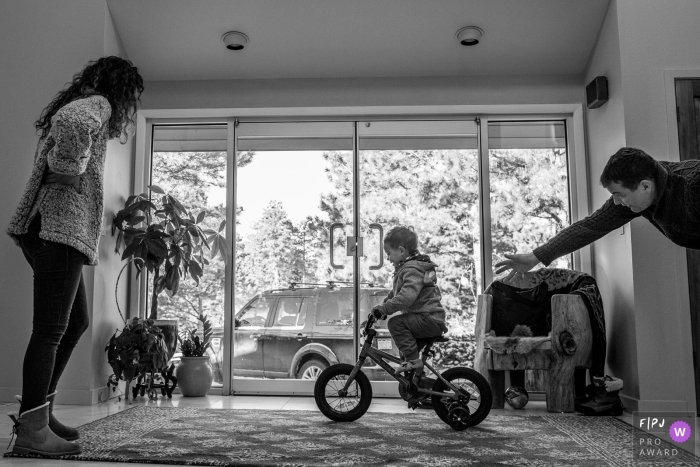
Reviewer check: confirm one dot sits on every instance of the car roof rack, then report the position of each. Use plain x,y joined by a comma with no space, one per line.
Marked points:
330,284
293,285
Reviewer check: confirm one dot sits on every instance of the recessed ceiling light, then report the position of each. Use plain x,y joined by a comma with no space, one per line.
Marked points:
235,40
470,35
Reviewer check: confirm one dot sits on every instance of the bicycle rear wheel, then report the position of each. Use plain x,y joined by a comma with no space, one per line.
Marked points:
339,407
471,383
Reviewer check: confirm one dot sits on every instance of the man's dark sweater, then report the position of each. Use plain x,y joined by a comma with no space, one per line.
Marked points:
675,212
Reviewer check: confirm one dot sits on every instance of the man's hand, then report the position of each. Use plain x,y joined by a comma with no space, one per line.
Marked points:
52,178
521,263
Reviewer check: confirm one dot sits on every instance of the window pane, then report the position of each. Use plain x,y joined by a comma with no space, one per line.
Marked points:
255,314
424,174
529,186
189,163
288,311
335,309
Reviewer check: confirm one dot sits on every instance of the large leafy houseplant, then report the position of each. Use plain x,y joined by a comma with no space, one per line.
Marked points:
168,240
163,237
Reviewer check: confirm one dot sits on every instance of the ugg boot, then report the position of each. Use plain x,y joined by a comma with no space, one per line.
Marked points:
35,437
606,400
66,432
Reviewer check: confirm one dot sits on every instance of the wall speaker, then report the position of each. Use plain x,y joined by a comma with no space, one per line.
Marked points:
597,92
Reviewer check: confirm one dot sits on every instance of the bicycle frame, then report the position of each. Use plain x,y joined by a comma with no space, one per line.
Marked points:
379,358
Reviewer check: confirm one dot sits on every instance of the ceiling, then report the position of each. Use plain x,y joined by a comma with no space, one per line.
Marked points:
181,39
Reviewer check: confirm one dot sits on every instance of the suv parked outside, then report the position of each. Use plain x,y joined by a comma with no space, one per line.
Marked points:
298,332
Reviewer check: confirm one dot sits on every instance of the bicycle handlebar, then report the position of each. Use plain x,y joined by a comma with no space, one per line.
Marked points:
368,325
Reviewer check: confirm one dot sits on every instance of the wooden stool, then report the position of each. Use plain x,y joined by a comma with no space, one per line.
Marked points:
566,354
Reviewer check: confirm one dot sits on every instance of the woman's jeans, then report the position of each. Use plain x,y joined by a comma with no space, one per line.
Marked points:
60,313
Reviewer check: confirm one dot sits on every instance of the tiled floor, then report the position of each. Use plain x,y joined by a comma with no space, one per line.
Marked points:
80,415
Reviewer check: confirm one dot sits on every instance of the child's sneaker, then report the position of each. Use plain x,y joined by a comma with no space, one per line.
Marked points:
410,365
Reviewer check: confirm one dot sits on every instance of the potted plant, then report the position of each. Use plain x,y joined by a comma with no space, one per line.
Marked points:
167,240
138,350
194,372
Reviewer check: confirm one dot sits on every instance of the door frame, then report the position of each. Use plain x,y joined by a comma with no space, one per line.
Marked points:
692,365
572,113
687,119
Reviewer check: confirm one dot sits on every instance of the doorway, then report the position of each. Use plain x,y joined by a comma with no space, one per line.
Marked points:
688,116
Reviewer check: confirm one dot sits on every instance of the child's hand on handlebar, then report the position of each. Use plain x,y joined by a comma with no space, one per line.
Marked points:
377,314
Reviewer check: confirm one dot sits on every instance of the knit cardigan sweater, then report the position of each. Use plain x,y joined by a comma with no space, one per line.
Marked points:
75,145
675,212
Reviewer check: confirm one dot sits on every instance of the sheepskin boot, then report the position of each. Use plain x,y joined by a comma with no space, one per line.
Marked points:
66,432
35,437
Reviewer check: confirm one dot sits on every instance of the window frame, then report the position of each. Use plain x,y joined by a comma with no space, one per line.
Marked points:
571,113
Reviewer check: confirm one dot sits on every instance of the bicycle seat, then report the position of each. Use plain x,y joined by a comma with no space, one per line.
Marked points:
432,340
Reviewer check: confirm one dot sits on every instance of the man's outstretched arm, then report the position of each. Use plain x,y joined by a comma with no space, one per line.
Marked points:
609,217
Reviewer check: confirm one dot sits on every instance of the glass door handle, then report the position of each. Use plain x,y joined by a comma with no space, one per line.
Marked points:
334,226
379,227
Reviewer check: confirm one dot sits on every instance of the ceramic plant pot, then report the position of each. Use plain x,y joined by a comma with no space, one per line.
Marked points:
194,375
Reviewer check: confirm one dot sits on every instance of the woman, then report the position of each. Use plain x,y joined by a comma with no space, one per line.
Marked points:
57,225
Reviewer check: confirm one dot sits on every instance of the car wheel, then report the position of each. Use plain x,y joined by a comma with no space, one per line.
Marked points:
311,369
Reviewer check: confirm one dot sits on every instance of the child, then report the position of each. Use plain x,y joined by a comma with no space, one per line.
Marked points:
414,292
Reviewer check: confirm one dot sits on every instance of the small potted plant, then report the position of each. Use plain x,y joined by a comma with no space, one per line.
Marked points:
139,350
194,373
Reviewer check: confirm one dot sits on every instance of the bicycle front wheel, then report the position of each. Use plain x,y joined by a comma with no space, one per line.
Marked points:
342,406
470,383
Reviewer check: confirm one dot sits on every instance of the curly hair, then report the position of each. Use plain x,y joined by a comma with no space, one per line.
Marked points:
628,167
402,236
116,79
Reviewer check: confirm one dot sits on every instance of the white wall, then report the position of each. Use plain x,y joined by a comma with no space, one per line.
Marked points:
117,187
643,275
612,254
655,36
360,92
44,44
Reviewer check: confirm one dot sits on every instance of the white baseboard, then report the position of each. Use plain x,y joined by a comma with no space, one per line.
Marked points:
633,404
68,396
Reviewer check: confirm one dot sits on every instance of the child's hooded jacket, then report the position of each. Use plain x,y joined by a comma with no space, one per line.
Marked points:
410,293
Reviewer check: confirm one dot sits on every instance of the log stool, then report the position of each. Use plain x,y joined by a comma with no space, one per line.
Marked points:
565,355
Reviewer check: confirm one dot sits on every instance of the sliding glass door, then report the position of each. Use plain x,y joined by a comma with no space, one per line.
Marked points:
313,202
294,283
424,175
307,205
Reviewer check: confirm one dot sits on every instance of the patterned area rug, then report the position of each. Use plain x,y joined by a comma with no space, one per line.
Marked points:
197,436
